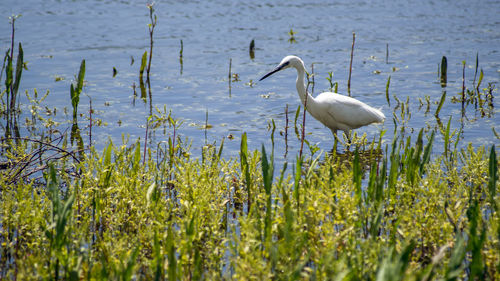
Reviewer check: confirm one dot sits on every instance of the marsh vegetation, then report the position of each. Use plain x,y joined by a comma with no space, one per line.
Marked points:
420,205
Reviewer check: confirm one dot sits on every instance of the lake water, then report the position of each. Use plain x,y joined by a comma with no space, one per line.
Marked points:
57,35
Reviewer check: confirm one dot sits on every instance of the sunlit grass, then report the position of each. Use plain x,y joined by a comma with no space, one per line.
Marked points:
113,215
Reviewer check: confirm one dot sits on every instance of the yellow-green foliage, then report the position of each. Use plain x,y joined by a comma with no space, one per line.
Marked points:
189,218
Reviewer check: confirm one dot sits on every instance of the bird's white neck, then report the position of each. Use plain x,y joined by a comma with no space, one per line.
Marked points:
301,89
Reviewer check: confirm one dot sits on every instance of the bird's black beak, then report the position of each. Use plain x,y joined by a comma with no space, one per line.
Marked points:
278,68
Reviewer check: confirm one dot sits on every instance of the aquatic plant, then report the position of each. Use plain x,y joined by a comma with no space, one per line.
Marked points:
291,36
144,214
251,49
76,90
140,210
333,85
350,64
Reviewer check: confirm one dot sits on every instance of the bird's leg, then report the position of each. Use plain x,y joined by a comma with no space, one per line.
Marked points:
335,139
348,135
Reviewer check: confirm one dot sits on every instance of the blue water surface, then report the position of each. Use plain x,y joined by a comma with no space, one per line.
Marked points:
57,35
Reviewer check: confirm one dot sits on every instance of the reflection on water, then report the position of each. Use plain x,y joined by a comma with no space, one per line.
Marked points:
57,36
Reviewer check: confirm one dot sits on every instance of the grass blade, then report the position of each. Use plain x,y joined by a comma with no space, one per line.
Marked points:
267,172
441,102
172,261
493,178
298,176
356,176
129,267
244,166
19,71
427,154
387,90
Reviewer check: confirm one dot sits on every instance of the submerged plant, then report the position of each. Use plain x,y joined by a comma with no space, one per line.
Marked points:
291,36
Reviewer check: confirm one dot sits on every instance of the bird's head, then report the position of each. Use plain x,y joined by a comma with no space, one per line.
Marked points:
286,62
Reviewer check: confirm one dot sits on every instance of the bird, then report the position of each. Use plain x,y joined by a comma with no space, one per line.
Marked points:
335,111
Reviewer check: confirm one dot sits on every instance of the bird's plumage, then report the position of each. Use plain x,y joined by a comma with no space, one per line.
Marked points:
335,111
345,112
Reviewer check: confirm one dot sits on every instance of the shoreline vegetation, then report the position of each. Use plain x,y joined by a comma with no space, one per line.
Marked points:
144,211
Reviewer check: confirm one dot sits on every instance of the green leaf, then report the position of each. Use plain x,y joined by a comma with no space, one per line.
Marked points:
387,90
158,258
107,166
137,157
143,62
221,147
427,154
8,72
477,238
151,193
129,267
375,220
244,165
81,76
394,266
107,155
481,75
493,178
356,176
19,69
172,262
395,161
447,137
74,100
267,172
454,268
441,102
298,175
76,90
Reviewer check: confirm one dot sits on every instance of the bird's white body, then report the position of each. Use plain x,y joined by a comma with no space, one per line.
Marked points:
339,112
335,111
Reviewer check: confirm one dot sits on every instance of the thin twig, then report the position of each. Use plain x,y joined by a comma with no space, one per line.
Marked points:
151,31
26,163
286,130
206,125
44,143
13,100
36,156
350,65
90,122
463,89
145,142
42,167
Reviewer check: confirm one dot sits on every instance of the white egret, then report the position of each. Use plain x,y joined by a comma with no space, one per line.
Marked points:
335,111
